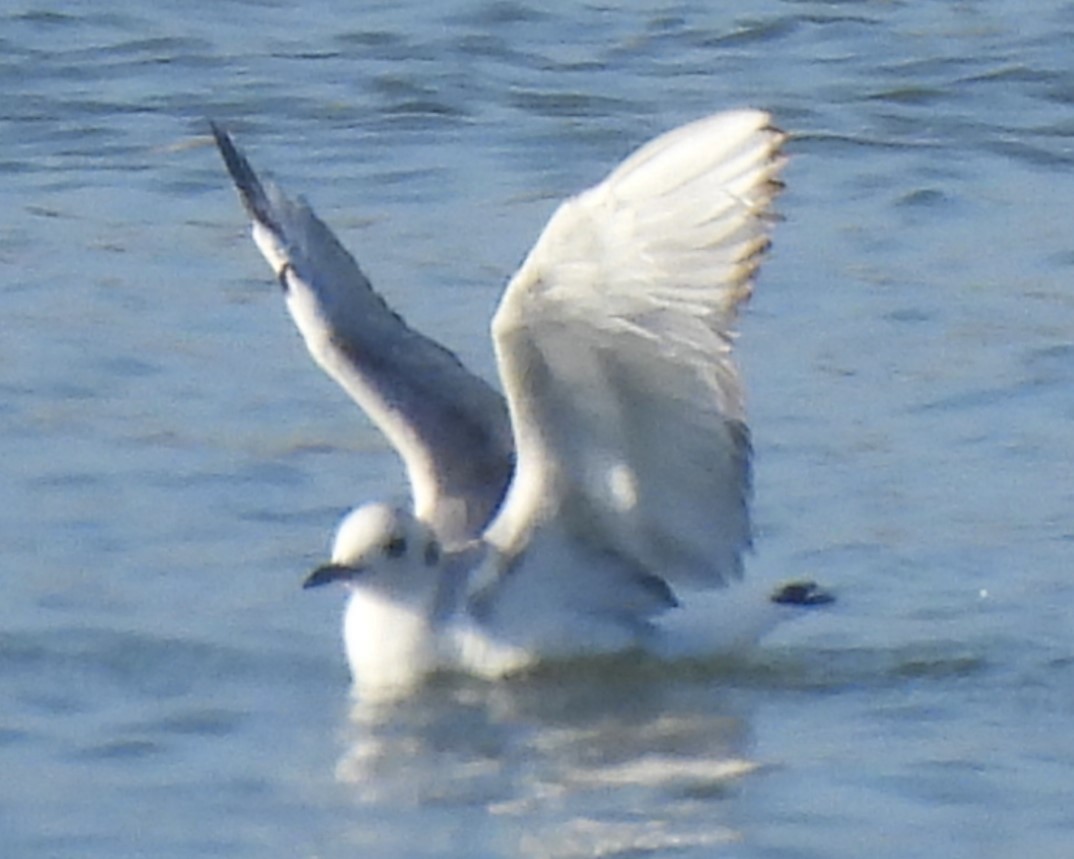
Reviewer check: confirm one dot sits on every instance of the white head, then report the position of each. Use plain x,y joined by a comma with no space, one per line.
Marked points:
390,562
382,548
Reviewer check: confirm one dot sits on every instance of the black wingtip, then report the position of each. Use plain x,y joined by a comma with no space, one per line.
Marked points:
804,593
237,165
251,191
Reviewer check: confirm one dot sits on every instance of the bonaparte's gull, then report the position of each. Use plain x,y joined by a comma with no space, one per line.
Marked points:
590,510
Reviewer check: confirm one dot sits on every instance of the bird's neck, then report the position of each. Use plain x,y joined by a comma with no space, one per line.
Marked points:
391,644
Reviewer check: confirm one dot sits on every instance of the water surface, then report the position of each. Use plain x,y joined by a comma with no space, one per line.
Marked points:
174,461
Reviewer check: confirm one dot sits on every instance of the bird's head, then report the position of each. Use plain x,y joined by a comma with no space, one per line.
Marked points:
381,547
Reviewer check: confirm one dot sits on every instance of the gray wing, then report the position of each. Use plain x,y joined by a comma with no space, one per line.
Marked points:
449,426
614,344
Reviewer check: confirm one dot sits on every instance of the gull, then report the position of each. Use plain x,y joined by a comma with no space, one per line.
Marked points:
601,503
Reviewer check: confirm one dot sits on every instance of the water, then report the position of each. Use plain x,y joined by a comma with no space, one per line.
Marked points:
174,462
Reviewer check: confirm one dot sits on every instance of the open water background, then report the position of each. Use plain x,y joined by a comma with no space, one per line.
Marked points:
173,462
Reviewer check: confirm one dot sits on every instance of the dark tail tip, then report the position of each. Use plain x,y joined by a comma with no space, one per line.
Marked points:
802,593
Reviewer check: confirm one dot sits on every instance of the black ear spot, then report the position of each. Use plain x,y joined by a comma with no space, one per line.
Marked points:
432,553
395,547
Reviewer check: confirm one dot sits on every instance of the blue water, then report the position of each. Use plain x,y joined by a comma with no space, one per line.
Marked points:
174,462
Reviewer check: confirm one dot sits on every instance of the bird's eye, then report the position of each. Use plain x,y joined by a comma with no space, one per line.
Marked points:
395,547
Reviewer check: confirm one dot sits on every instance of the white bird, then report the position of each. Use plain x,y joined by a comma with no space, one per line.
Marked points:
588,513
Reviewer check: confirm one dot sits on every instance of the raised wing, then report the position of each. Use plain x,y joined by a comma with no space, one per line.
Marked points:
614,344
449,426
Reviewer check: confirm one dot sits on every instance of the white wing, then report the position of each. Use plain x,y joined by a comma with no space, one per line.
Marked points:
614,345
450,427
